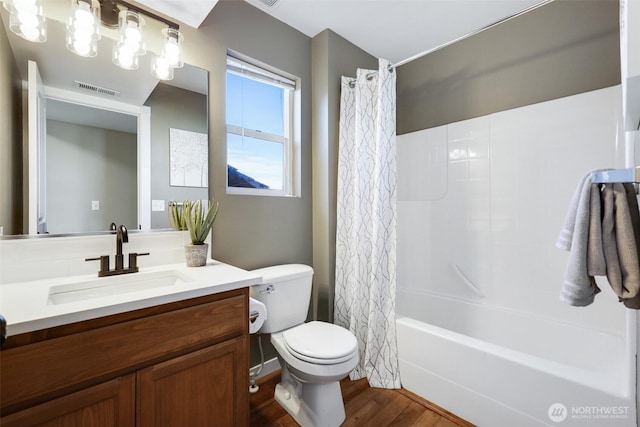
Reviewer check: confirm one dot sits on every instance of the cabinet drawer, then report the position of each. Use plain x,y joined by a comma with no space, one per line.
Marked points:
48,369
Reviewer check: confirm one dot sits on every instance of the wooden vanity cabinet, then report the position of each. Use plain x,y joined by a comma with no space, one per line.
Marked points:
178,364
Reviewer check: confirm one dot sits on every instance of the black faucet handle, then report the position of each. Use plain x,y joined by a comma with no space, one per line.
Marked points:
104,262
133,259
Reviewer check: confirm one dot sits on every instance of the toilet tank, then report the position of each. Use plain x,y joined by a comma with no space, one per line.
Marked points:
286,292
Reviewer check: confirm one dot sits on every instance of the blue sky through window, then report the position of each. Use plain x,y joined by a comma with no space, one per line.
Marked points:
256,106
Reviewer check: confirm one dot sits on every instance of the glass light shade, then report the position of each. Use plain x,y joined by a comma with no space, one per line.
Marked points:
83,29
161,69
130,25
172,48
124,57
27,19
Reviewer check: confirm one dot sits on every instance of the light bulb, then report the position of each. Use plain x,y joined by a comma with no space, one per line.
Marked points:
130,25
125,57
82,27
82,37
171,48
132,33
82,47
83,15
20,4
126,60
30,33
172,52
161,69
28,17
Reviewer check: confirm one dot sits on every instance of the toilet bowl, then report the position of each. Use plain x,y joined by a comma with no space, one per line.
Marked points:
313,356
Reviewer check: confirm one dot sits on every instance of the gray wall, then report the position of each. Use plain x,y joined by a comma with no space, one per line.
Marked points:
10,141
254,231
172,107
86,163
560,49
332,57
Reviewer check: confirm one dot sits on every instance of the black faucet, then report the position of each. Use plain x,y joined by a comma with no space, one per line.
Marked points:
122,236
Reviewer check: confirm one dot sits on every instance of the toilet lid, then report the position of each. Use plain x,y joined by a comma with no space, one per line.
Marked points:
320,341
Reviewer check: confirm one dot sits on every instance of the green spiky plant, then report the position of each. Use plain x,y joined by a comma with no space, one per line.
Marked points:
176,216
199,219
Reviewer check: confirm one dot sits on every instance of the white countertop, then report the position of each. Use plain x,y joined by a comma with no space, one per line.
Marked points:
26,306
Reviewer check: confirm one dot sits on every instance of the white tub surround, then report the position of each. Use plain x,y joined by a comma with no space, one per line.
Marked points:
37,272
482,331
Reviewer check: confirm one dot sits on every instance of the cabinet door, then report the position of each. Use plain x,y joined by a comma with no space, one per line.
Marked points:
208,387
109,404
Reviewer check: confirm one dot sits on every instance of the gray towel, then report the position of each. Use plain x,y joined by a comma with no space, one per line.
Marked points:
619,241
634,212
566,233
578,288
596,265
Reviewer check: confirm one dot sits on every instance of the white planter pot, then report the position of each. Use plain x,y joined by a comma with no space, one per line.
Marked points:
196,255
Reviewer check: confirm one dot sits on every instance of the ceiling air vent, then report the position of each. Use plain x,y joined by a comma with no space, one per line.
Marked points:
96,89
269,2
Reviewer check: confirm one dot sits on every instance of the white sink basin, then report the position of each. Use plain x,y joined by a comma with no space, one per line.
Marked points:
114,285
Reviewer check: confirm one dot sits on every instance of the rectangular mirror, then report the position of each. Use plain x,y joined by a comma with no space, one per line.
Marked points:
104,151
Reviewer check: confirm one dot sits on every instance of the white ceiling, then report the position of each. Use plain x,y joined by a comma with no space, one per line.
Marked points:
393,29
193,15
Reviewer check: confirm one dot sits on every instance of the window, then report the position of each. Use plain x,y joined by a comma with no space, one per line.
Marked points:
261,151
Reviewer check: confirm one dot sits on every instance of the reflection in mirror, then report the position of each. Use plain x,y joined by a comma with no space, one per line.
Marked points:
97,165
91,157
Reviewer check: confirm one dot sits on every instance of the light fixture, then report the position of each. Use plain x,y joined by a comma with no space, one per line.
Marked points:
130,44
27,19
172,49
83,31
171,56
161,68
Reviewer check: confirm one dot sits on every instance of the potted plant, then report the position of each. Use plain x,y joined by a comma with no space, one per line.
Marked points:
199,220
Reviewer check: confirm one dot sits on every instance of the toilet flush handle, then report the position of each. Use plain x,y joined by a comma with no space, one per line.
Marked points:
268,290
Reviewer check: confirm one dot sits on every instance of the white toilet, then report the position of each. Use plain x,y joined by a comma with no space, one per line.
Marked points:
313,356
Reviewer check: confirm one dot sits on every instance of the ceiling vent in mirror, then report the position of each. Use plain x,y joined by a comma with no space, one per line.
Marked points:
96,89
269,3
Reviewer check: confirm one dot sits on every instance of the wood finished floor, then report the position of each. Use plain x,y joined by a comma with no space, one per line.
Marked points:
364,405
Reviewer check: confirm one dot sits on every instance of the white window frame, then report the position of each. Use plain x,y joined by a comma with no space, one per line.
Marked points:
290,140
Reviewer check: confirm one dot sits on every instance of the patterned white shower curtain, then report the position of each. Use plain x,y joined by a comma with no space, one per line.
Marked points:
366,223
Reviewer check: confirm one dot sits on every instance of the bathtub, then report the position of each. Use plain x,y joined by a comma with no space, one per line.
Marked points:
498,367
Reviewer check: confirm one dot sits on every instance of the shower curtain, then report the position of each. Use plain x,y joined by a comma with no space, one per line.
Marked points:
366,222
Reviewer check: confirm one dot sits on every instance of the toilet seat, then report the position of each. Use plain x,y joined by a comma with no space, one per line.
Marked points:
320,343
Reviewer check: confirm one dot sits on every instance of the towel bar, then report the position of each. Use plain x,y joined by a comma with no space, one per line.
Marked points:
631,175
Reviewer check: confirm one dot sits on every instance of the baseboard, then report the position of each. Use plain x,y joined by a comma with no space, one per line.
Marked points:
270,366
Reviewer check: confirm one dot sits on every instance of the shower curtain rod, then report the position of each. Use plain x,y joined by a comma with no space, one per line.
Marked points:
472,33
630,175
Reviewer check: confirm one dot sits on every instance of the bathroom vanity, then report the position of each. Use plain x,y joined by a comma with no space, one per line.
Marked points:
177,364
173,355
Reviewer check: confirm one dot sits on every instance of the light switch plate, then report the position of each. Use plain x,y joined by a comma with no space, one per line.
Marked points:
157,205
95,205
